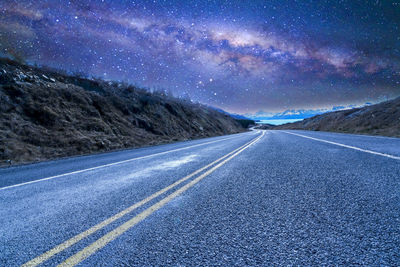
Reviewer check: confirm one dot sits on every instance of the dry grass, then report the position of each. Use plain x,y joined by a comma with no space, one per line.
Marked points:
380,119
51,116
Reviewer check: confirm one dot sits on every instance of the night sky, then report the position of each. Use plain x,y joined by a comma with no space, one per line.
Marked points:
242,56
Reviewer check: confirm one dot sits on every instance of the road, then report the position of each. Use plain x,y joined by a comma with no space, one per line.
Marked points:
262,197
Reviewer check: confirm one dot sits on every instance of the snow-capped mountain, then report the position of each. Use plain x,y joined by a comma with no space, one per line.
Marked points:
296,113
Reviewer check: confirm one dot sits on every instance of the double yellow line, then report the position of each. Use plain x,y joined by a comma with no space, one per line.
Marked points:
103,241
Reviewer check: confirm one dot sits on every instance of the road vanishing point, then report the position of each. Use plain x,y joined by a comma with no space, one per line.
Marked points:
255,198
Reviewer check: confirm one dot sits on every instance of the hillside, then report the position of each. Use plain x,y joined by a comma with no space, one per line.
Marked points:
379,119
46,115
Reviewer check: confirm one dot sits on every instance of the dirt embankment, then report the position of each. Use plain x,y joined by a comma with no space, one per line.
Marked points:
46,115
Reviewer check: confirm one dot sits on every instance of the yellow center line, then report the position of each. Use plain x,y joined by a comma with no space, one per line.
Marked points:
113,164
103,241
75,239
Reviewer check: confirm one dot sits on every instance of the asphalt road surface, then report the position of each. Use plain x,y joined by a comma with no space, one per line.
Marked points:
257,198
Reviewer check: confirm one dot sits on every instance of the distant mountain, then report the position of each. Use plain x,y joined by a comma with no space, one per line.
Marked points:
294,113
239,117
233,115
287,114
378,119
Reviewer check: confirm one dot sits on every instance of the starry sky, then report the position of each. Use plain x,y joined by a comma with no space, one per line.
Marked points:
241,56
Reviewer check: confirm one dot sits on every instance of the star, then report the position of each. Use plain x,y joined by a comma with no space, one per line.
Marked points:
249,55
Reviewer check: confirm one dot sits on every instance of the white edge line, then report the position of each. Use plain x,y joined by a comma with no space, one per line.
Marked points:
112,164
343,145
355,134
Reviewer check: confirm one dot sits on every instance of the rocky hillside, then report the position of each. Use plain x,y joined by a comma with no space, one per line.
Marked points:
379,119
45,115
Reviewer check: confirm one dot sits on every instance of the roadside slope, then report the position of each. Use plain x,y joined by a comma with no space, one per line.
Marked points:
379,119
46,115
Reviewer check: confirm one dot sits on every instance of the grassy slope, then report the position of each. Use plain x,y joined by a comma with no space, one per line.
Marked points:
45,117
379,119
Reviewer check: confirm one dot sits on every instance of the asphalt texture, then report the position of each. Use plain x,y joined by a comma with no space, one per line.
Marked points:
284,200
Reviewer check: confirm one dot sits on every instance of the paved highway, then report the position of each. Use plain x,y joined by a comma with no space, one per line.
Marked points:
262,197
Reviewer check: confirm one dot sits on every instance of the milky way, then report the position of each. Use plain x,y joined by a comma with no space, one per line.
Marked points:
242,56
